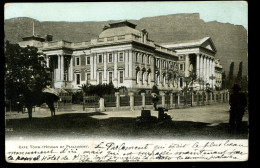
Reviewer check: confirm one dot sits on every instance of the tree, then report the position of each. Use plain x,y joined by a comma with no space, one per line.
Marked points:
224,80
239,74
230,80
25,73
155,89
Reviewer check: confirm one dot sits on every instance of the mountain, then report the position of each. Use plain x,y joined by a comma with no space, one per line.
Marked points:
230,40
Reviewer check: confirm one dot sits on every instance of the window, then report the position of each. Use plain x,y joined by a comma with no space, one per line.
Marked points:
121,57
78,79
143,58
136,57
110,76
158,79
148,79
149,59
99,58
181,67
121,76
181,82
110,58
157,63
137,77
143,78
88,60
100,77
77,61
164,80
88,78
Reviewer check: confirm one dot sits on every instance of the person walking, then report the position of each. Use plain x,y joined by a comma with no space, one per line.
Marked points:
155,101
237,103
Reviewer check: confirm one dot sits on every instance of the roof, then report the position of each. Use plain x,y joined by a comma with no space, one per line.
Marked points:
190,43
118,29
33,37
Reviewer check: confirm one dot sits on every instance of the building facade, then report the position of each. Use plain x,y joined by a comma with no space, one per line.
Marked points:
125,56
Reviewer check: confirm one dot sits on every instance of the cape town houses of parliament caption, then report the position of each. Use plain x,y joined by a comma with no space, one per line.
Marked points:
125,56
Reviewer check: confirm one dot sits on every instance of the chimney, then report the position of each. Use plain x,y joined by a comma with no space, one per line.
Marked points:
49,37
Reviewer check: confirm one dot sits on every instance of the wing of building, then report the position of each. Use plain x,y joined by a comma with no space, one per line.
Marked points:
125,56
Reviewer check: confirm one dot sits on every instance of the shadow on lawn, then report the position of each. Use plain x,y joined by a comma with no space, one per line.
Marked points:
83,124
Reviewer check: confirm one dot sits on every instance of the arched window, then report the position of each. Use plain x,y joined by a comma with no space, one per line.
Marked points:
143,78
158,79
148,78
136,57
164,79
137,77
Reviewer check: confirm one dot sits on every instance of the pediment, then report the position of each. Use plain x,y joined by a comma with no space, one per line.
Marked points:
208,44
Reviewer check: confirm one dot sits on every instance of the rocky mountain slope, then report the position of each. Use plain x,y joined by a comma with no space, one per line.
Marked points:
230,40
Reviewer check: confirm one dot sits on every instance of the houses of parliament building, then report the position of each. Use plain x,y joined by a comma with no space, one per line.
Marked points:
125,56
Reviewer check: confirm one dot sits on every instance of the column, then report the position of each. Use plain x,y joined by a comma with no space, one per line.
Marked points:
210,73
105,67
198,66
95,67
101,104
126,63
130,65
131,95
117,99
171,100
47,61
71,70
215,97
207,69
213,67
198,99
92,67
62,67
143,99
58,70
201,71
210,97
187,65
163,99
204,71
228,96
115,65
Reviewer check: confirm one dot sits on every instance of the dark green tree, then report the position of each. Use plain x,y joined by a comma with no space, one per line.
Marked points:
224,80
25,73
155,89
230,79
239,74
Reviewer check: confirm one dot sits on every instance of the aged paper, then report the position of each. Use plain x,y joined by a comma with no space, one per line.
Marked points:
115,128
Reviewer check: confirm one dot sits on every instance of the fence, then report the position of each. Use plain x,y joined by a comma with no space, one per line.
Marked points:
90,101
110,100
124,100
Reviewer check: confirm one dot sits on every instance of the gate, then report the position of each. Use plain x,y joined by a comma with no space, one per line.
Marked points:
110,100
137,100
125,100
90,101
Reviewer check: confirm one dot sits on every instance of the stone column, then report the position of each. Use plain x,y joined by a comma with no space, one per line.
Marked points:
198,65
71,70
201,70
143,99
228,96
163,99
62,68
187,65
92,67
101,104
95,66
192,99
207,70
117,99
58,70
115,65
171,100
105,67
131,95
178,100
215,97
206,98
214,80
47,61
210,73
204,71
126,63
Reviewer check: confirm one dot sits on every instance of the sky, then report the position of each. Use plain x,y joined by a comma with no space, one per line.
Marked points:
234,12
